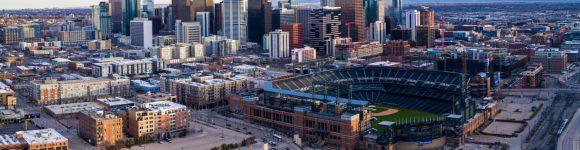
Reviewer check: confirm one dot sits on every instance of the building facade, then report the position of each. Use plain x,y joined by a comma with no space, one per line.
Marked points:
188,32
259,19
279,44
142,33
101,129
303,54
235,17
204,20
156,119
50,91
207,92
552,59
324,25
295,33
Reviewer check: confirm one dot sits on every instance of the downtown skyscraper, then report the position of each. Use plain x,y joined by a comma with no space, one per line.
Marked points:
182,10
235,19
131,10
393,12
352,18
324,25
259,19
102,21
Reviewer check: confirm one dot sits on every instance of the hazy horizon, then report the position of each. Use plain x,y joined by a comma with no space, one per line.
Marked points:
39,4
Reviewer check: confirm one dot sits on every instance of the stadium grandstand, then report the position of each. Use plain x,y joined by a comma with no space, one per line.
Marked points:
373,107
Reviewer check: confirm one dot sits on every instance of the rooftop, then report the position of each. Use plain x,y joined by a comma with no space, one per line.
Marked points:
163,106
43,136
5,88
73,108
116,101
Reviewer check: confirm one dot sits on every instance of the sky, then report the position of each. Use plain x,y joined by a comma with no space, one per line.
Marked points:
22,4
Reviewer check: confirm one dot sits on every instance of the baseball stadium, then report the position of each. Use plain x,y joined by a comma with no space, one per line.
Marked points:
366,107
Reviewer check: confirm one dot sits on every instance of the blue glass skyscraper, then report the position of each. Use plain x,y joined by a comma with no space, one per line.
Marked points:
131,10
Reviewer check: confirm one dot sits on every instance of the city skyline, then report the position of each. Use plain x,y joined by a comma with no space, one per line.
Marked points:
40,4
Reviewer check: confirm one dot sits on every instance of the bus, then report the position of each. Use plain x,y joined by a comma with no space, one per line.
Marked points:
277,137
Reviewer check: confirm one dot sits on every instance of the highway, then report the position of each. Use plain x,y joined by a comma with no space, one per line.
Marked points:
570,138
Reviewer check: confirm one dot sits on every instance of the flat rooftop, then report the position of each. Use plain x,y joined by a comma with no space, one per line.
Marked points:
115,101
73,108
163,106
43,136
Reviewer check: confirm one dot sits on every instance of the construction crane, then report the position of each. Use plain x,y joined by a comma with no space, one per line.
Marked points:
348,24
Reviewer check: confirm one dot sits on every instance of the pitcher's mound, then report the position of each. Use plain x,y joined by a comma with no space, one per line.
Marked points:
389,111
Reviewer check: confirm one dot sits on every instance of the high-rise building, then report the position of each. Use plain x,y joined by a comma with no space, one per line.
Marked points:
131,10
164,11
259,19
412,20
205,6
235,17
99,128
182,10
425,36
116,12
374,11
377,32
141,33
393,12
218,18
282,16
427,17
187,32
324,25
204,20
303,17
102,21
148,7
279,44
352,18
295,33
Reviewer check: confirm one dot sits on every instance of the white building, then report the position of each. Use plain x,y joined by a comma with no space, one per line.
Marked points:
187,32
142,33
279,44
303,54
412,20
203,19
235,17
377,32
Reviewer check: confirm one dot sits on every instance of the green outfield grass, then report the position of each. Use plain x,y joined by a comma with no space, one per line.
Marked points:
400,116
